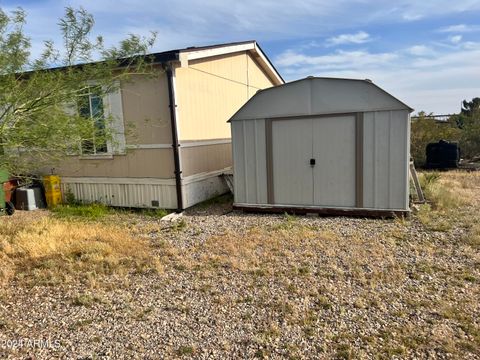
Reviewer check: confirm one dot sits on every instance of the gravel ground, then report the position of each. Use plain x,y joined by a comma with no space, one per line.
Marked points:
308,287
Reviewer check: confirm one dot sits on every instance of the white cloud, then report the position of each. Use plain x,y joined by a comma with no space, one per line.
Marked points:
337,60
471,45
198,22
410,10
430,81
435,82
419,50
460,28
412,17
455,39
360,37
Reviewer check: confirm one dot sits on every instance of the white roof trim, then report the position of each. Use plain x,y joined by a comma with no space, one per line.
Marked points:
227,49
269,67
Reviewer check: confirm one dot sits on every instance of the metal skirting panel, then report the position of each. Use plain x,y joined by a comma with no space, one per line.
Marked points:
141,195
202,189
145,192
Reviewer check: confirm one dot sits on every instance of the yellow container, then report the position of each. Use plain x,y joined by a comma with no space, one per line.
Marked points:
53,193
52,183
53,199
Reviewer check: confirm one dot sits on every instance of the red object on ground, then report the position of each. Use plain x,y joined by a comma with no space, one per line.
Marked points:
9,187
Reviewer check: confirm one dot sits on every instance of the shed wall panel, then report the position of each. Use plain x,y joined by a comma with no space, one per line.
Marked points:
381,167
368,159
250,174
385,149
260,159
399,156
238,149
250,168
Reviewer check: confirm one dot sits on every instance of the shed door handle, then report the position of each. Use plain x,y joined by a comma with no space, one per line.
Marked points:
312,162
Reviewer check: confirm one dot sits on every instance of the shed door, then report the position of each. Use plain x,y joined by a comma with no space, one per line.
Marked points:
327,141
335,170
291,153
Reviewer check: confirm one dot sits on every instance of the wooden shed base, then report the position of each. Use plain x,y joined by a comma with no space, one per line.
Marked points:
371,213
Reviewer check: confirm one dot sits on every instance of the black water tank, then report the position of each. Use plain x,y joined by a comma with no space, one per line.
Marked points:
442,155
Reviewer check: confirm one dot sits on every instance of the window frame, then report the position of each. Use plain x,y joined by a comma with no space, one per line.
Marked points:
108,146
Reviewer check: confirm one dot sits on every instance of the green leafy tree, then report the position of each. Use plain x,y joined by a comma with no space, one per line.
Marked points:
463,128
426,130
40,98
471,108
469,121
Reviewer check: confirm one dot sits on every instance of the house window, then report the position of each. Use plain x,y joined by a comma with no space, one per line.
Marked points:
90,106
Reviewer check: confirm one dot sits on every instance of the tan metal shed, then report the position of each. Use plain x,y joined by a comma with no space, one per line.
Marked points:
322,145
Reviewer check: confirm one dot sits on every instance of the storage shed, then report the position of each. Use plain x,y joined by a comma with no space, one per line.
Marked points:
323,145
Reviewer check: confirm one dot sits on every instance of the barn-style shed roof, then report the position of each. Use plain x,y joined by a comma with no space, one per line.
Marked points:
318,95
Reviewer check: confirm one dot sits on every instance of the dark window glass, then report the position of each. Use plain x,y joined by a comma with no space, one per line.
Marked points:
90,106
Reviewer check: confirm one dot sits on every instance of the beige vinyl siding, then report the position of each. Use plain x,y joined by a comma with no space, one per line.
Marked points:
209,91
145,110
257,79
155,163
207,158
147,121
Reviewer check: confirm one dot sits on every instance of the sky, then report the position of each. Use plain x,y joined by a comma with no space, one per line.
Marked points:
426,53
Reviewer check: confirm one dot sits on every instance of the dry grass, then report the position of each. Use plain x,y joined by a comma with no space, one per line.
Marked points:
448,192
295,288
51,251
450,198
473,237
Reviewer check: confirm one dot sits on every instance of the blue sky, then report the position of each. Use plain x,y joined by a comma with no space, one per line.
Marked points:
427,52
